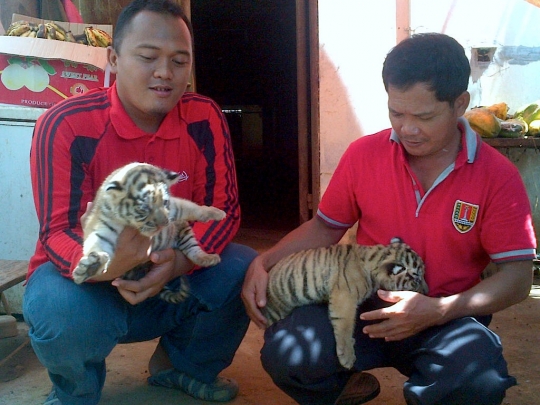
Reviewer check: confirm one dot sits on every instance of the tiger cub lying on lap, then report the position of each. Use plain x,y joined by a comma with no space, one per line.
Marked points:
344,276
137,195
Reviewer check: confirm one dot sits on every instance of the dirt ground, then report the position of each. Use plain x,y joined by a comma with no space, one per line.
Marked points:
23,381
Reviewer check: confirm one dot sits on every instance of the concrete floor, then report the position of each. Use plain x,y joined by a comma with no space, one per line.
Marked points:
23,381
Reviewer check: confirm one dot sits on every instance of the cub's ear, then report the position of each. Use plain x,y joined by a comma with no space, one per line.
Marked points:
170,176
113,185
396,239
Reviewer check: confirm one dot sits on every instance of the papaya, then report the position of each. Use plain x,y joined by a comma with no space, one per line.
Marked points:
534,128
513,128
529,112
500,110
483,122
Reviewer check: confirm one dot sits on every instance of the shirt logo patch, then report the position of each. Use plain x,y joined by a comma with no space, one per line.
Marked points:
464,216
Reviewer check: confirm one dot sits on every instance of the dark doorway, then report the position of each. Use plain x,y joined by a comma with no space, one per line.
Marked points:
245,59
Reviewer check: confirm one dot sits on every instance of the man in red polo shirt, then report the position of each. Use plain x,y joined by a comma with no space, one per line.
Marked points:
457,202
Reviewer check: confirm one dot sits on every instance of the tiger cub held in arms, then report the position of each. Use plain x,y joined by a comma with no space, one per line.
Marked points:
344,276
137,195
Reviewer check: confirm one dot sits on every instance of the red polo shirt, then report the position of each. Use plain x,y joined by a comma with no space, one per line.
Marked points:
476,211
80,141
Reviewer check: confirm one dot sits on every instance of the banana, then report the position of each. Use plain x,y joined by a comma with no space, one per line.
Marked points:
42,31
51,32
529,112
60,32
534,128
26,33
103,38
70,37
18,28
90,37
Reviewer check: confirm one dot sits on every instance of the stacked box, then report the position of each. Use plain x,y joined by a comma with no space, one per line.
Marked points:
38,72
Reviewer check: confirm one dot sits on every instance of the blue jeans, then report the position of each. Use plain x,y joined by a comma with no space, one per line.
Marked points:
73,328
457,363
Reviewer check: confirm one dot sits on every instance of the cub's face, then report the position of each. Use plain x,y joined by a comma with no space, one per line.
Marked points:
138,196
402,270
151,209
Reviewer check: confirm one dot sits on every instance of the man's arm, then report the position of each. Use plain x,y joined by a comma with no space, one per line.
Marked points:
510,285
413,312
311,234
215,182
56,197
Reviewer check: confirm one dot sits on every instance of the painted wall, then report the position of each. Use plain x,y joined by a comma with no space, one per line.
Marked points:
509,26
354,40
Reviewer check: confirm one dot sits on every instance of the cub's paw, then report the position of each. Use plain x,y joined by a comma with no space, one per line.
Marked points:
90,265
345,353
206,259
211,213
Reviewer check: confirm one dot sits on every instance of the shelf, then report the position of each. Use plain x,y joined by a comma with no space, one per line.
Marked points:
533,143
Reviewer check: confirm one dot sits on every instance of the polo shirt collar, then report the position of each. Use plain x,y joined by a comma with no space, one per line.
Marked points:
126,128
469,140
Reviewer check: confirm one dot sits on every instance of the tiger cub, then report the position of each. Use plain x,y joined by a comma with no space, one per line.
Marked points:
137,195
344,276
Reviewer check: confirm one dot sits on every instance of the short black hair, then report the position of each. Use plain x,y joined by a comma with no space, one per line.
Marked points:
432,58
128,13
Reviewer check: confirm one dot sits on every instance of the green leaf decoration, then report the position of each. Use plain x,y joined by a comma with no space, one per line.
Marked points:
48,68
15,60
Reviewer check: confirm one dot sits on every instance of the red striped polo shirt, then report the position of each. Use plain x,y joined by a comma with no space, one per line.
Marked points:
80,141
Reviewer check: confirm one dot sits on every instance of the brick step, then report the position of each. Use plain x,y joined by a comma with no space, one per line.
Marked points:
8,326
12,272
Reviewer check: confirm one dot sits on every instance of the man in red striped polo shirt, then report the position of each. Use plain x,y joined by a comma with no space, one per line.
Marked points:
146,116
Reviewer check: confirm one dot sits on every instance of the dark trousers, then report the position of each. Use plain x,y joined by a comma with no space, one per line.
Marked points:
459,362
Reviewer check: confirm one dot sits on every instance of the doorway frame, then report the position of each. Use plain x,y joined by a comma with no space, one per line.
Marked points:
307,45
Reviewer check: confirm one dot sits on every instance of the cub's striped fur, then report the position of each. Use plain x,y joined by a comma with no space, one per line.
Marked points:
137,195
344,276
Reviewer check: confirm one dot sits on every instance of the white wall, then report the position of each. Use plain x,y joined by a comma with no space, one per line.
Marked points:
18,221
512,26
356,35
354,40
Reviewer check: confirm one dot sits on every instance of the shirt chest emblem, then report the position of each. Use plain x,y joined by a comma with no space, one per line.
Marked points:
464,216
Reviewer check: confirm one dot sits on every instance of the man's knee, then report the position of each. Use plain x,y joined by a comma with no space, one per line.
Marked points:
237,258
59,312
301,346
460,363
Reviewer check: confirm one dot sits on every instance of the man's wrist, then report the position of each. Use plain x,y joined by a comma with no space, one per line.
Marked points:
182,265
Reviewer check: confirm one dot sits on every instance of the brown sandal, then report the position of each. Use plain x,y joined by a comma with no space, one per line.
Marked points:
361,388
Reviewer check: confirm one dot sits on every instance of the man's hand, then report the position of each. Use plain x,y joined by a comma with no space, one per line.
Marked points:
411,313
131,250
163,270
254,292
84,216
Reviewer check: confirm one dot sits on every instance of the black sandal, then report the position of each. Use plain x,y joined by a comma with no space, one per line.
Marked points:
361,388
